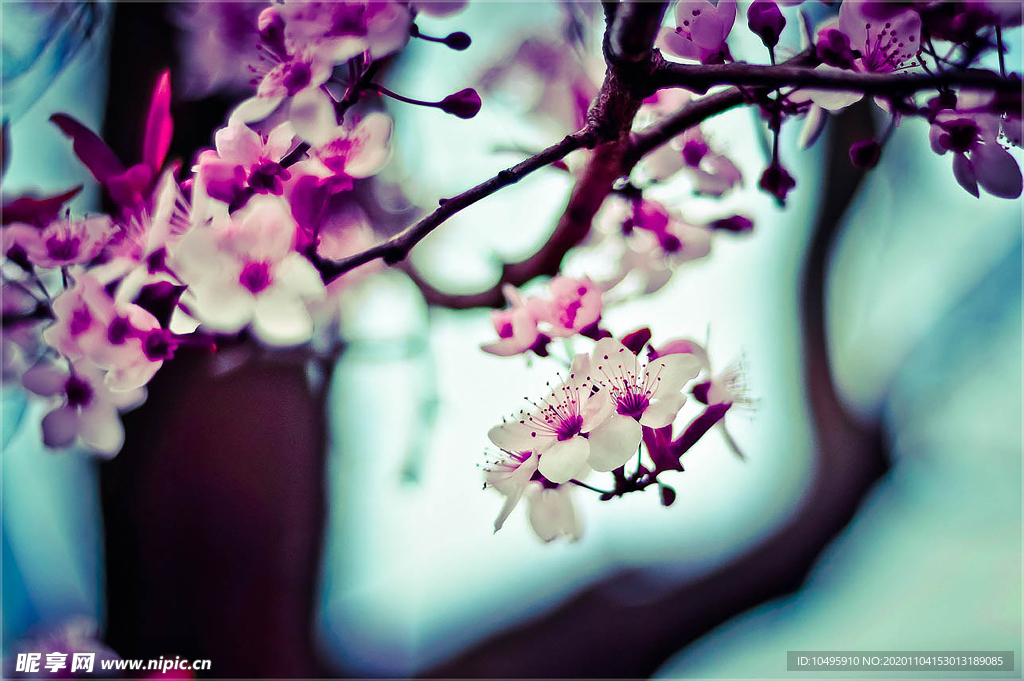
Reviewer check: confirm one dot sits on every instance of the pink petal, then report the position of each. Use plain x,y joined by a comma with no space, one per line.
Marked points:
963,171
159,125
312,114
93,151
996,169
60,427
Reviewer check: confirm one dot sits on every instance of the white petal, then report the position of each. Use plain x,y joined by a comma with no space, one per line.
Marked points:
609,354
661,412
255,109
670,373
614,442
312,114
281,318
374,135
514,436
596,409
552,514
238,143
221,306
565,460
299,276
101,429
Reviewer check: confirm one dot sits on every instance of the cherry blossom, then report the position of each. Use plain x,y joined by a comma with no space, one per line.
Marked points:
724,389
243,270
114,335
86,406
555,430
650,397
701,31
979,160
352,152
339,31
295,75
510,474
574,305
62,242
516,326
244,159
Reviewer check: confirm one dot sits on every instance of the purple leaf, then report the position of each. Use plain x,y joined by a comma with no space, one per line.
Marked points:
38,212
93,151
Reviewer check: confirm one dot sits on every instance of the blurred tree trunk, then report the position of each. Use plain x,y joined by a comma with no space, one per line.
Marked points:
214,513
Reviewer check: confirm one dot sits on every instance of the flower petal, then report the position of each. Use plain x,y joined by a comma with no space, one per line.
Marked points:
514,436
662,411
551,513
312,114
669,374
101,429
996,170
281,318
60,427
565,460
613,443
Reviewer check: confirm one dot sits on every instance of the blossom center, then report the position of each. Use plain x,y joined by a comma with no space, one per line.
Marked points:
266,177
632,403
569,427
255,276
62,248
118,332
81,320
78,391
297,77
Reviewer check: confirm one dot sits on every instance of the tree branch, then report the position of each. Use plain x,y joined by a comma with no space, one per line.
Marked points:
397,247
699,78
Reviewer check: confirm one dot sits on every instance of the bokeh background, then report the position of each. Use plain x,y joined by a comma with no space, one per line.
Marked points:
922,307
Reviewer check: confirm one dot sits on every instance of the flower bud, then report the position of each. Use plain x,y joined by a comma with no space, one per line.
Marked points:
865,153
464,103
777,181
765,19
734,223
458,41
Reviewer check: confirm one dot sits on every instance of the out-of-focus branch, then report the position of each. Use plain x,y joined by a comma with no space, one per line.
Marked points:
629,53
700,77
397,247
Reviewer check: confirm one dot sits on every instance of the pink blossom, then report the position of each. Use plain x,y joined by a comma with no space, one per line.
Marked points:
574,305
555,430
114,335
338,31
885,40
509,475
86,407
243,269
243,158
353,152
723,389
971,132
62,242
701,31
516,326
297,78
651,396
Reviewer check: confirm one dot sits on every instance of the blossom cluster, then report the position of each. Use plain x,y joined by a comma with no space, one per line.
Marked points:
229,247
255,237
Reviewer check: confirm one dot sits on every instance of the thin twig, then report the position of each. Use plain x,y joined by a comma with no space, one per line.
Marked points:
699,78
397,247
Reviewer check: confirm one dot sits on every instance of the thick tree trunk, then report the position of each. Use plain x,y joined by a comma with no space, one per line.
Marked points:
214,513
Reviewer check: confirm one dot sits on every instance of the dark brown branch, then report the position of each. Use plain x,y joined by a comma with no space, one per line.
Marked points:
397,247
699,78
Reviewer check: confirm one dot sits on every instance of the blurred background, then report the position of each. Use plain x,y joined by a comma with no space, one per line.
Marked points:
879,507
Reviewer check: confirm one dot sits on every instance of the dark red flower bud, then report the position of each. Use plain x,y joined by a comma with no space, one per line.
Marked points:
668,495
777,181
765,19
734,223
865,153
464,103
458,41
637,340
